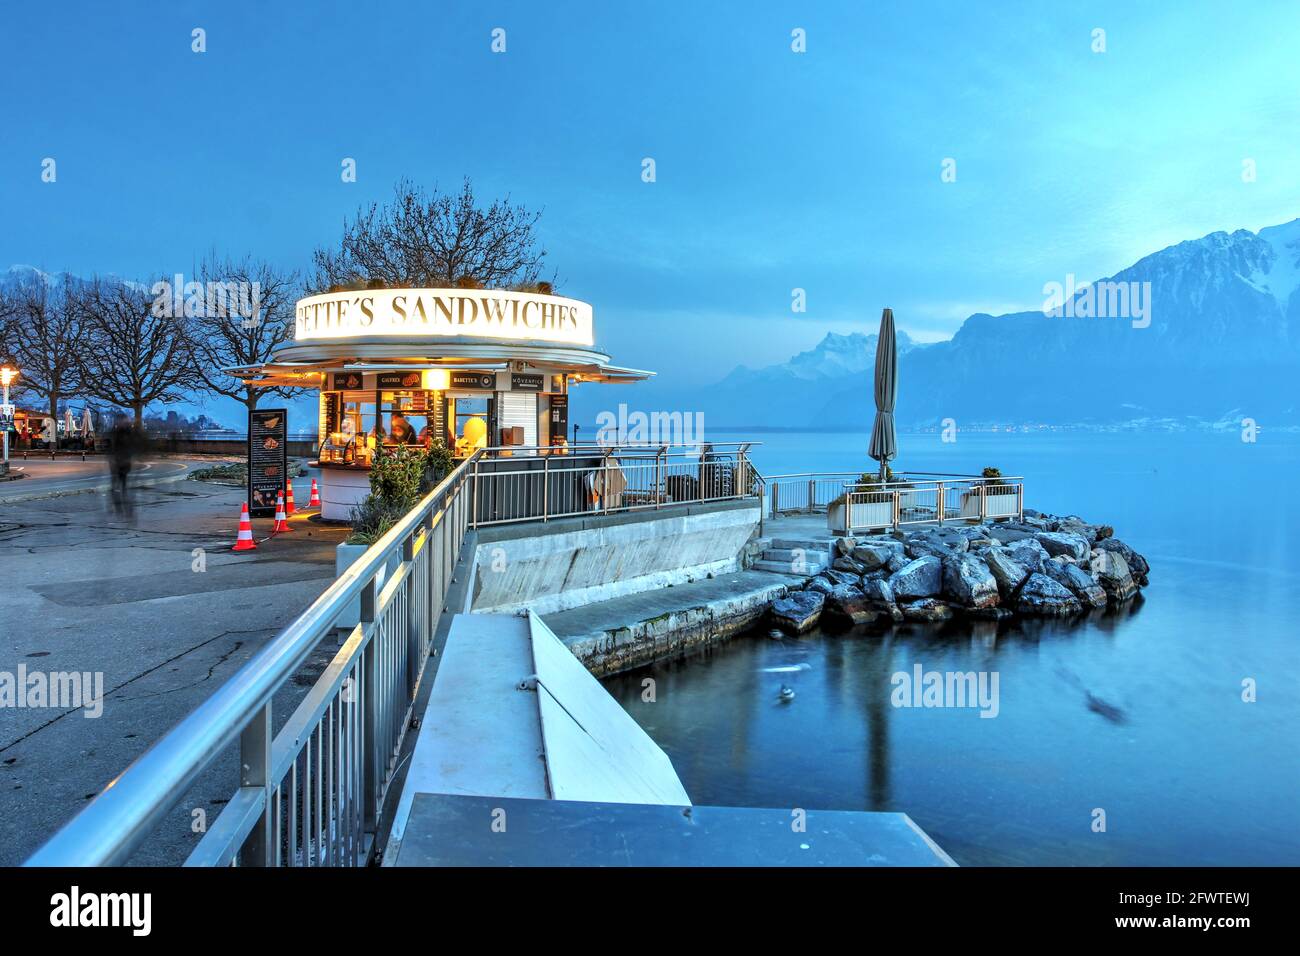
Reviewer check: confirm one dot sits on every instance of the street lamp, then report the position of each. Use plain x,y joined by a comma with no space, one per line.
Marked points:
8,372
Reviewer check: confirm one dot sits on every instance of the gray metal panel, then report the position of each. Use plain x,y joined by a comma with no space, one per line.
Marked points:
459,831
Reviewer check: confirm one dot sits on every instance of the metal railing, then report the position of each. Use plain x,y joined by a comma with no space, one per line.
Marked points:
915,500
806,492
311,794
518,483
911,498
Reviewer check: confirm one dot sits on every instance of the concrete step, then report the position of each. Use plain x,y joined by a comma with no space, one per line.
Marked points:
784,567
813,544
789,554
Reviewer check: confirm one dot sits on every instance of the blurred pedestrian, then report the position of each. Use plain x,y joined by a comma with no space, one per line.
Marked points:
127,445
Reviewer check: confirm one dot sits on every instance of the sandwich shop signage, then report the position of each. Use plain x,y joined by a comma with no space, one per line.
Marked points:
476,313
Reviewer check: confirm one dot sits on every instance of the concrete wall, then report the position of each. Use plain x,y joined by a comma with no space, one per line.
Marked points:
571,562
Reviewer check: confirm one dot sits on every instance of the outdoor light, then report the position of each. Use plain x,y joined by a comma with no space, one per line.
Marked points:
8,372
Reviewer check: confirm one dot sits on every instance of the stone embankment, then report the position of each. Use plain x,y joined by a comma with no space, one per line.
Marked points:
1043,566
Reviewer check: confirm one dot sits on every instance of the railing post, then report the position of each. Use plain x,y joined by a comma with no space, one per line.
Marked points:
897,503
370,694
661,465
1020,501
546,487
474,512
255,771
812,494
776,494
984,503
938,501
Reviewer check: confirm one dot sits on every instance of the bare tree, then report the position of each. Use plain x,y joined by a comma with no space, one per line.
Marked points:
48,336
248,335
136,353
434,240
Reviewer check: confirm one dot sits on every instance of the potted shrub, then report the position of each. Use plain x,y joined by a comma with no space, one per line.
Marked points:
872,504
1000,498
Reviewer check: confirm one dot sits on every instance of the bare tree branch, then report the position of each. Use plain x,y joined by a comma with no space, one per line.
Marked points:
229,337
434,240
137,354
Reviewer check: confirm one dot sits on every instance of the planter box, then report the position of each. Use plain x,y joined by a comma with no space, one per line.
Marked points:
997,506
866,514
346,555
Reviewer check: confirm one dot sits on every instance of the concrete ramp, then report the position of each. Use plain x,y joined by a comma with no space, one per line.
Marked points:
513,714
594,751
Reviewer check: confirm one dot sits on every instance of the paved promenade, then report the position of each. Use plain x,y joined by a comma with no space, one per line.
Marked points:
89,592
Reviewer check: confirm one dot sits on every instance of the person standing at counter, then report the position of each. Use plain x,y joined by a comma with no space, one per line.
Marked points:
402,431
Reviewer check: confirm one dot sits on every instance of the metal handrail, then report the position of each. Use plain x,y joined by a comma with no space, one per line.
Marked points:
121,818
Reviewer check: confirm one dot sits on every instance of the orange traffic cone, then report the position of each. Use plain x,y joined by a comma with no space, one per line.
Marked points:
245,540
281,519
314,500
288,498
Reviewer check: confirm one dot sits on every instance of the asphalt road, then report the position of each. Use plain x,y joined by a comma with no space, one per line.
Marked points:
165,611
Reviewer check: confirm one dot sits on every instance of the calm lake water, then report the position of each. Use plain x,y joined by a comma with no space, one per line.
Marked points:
1186,772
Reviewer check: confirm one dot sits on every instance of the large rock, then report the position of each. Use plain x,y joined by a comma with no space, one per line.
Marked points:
897,563
1113,575
872,555
968,581
926,610
929,545
1063,542
849,602
881,594
1006,570
849,564
798,611
1028,553
920,578
1009,535
1078,581
845,545
1040,596
1137,564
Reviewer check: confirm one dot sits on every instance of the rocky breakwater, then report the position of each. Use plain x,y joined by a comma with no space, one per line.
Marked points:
1043,566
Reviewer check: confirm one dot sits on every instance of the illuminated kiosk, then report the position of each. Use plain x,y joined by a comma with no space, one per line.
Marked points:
473,367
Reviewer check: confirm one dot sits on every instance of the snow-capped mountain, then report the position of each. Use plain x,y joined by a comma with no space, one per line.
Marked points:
835,356
1205,328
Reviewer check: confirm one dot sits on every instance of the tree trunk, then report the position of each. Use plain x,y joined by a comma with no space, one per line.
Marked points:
139,416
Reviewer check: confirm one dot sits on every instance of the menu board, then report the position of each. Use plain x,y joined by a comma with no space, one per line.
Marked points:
268,459
559,417
329,422
347,381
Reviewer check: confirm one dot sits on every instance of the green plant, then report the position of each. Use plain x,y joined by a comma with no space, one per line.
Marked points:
993,483
438,463
372,518
396,475
870,482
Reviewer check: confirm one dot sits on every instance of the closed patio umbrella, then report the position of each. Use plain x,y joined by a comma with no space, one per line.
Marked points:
884,443
87,423
69,426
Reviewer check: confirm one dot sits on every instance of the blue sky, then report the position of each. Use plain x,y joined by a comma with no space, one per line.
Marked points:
775,170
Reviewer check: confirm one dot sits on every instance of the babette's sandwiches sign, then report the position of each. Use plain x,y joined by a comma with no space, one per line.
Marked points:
479,313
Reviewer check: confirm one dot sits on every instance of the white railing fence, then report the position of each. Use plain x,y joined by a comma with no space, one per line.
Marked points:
311,794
